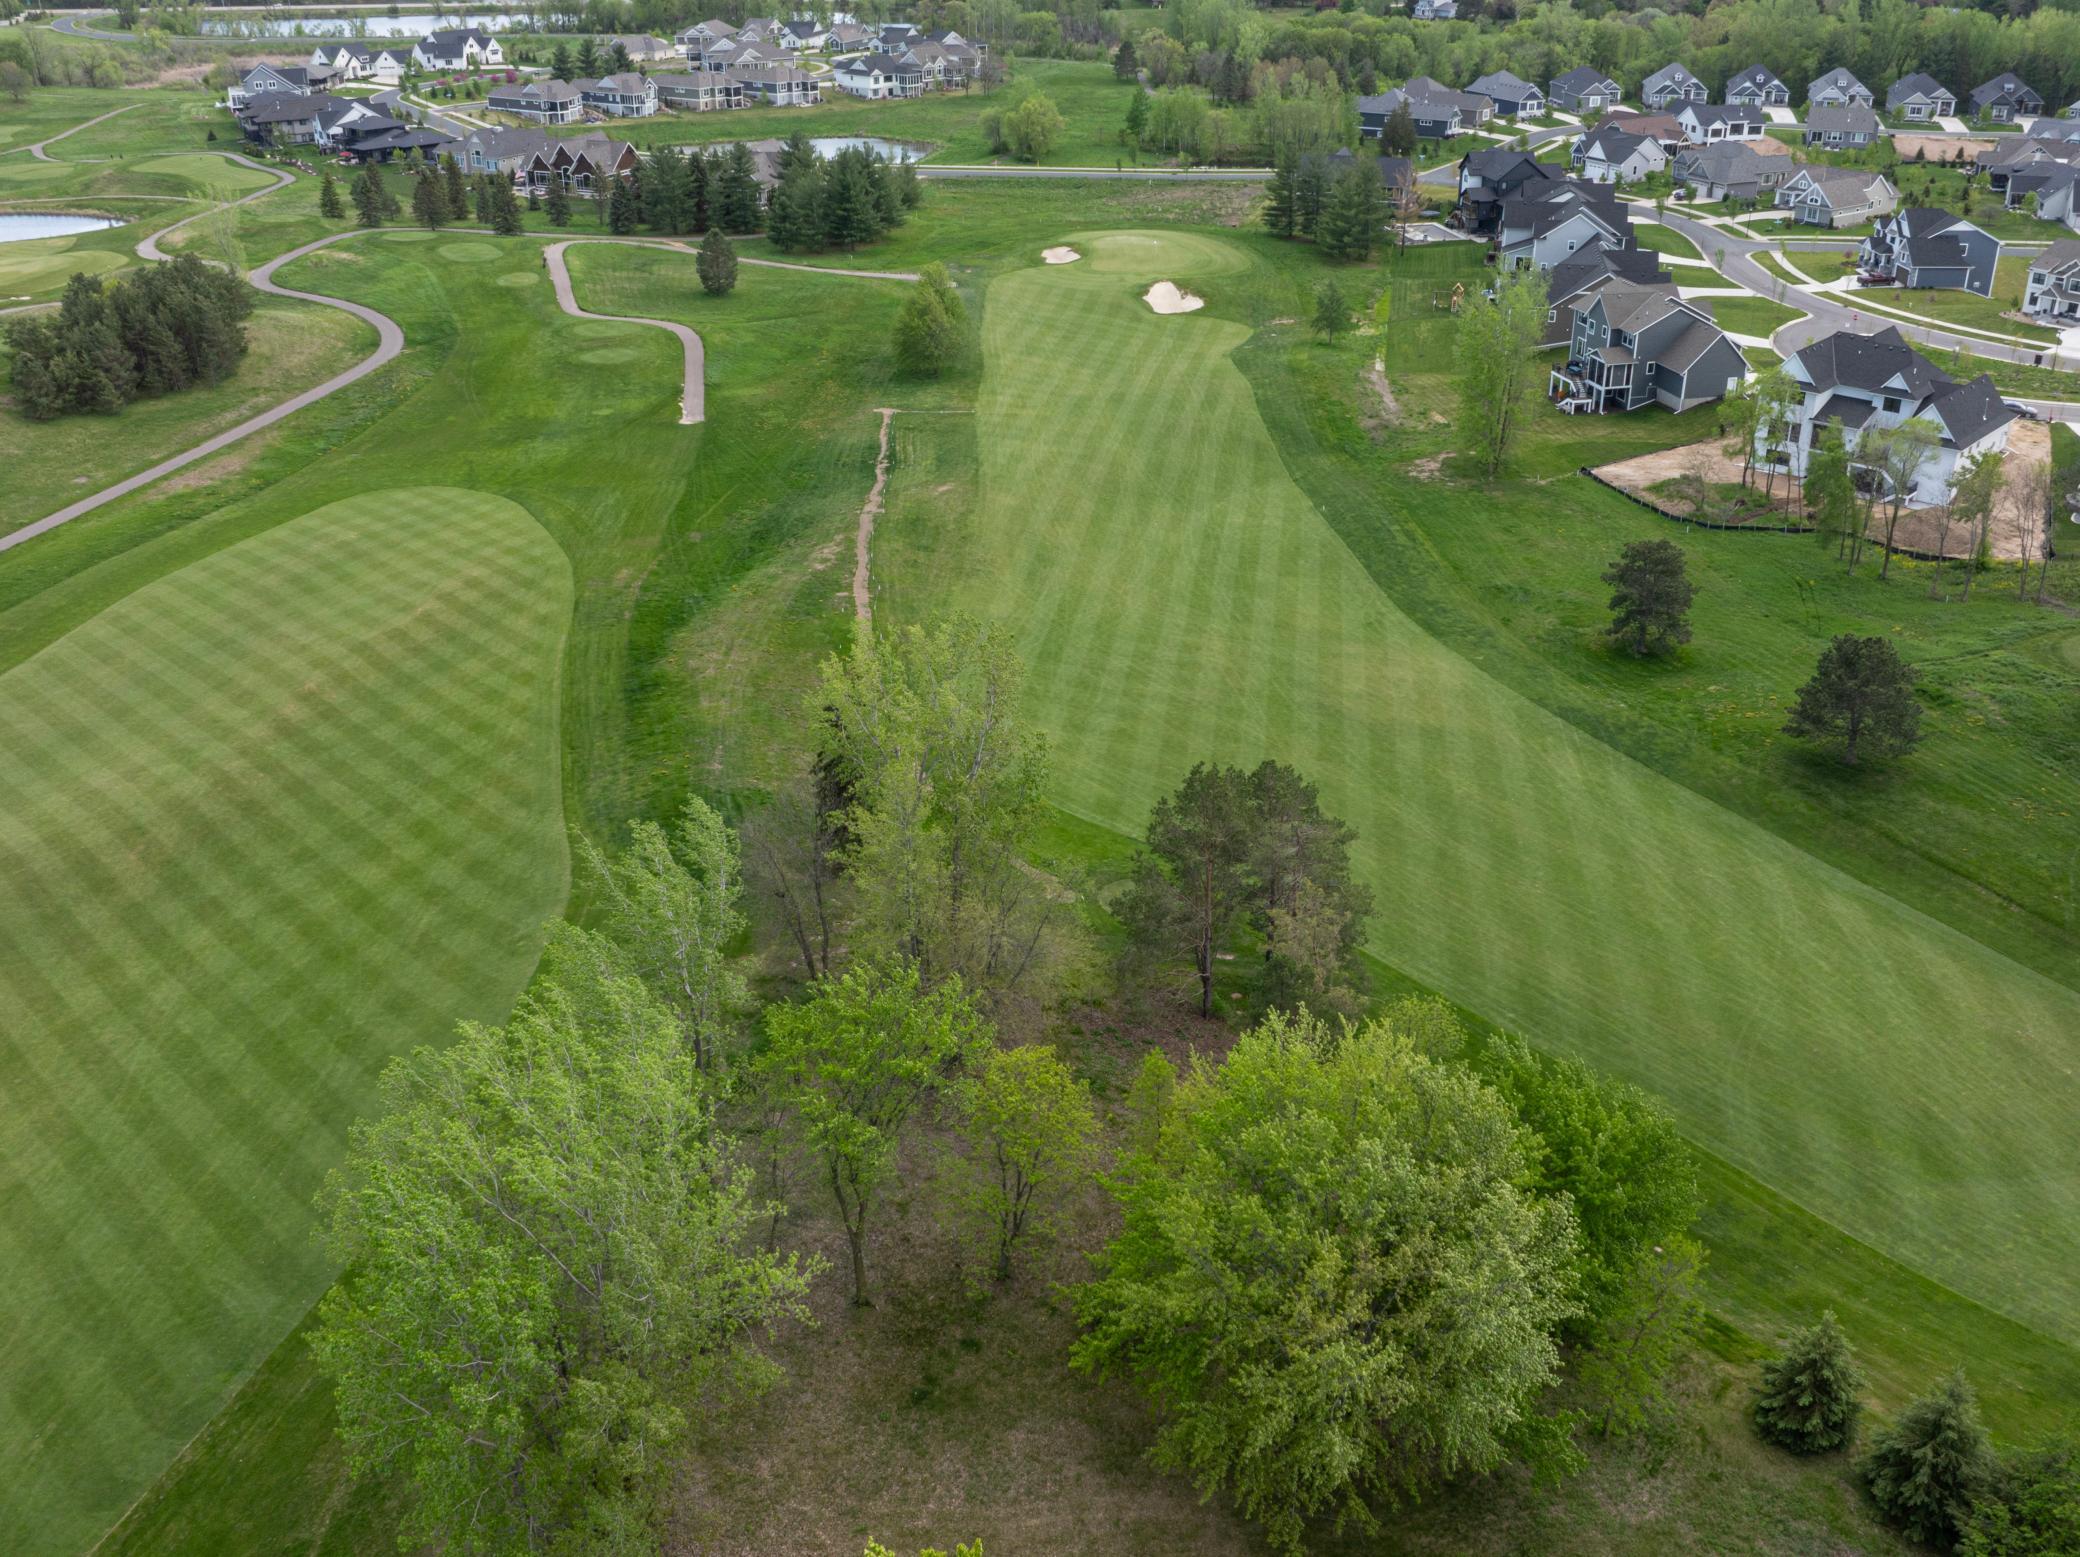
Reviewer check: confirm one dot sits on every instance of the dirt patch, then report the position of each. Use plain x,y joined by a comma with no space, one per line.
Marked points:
1061,254
1707,470
862,597
222,468
1165,298
1929,531
1428,468
1389,408
1937,148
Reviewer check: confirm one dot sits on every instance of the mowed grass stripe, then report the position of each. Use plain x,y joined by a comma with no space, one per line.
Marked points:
1895,1077
272,819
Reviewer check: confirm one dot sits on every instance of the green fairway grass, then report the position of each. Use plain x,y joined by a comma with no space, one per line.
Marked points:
31,267
292,346
218,177
1181,599
272,819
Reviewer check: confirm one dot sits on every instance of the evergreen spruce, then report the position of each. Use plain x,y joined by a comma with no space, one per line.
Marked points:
505,209
429,202
1349,224
734,200
559,204
852,212
625,206
795,222
329,205
455,187
1281,217
368,197
1925,1471
700,204
1310,194
717,264
1124,63
1808,1399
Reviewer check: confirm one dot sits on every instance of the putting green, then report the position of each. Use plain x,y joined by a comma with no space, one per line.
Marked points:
219,175
1177,598
270,820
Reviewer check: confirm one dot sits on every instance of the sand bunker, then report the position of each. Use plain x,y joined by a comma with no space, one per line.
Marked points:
1164,298
1060,256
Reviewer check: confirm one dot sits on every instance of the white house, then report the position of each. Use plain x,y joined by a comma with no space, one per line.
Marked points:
457,48
1614,157
1860,383
877,76
2053,289
1706,124
363,62
1837,197
625,95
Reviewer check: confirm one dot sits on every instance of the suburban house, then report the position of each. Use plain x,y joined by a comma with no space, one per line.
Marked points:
1838,89
262,80
1706,124
577,161
457,48
1583,91
894,37
758,28
1919,247
1757,87
1571,283
378,138
777,86
545,100
500,151
878,76
1855,125
1636,345
942,66
363,62
1837,197
700,35
698,91
1731,170
1672,84
1861,382
1490,176
1435,118
733,53
1920,97
2056,189
806,35
641,47
1434,10
2014,155
625,95
1655,127
1511,95
1614,157
295,118
2053,289
848,38
2006,98
1543,223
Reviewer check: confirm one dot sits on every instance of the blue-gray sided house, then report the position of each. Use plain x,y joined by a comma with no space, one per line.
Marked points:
1920,98
1920,247
1544,223
1636,345
1844,128
624,96
2052,291
1730,170
2006,98
1837,89
1861,382
1513,96
1670,85
1575,281
1488,178
1757,87
545,101
1437,111
1837,197
1583,90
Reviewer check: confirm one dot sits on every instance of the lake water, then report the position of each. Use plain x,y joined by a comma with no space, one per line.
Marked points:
890,151
373,24
16,229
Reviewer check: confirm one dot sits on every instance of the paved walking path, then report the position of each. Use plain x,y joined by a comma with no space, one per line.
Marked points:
693,400
36,150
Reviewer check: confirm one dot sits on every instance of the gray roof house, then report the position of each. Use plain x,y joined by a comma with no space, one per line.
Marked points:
457,48
1837,197
1855,125
1920,97
1858,382
878,76
1757,87
545,101
1439,111
1672,84
1920,247
2016,154
1543,223
622,96
1704,124
1730,170
1583,90
777,86
2053,288
1614,157
1575,280
1837,89
2006,98
698,91
1637,345
2056,186
1510,94
1434,10
1489,177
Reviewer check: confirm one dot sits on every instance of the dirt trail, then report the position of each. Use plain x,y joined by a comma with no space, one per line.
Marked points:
862,596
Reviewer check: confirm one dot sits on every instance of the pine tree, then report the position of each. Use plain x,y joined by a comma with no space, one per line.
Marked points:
664,191
505,209
1808,1399
480,199
1349,224
368,197
1280,217
1924,1471
795,222
1124,63
700,201
1332,315
429,202
328,198
851,205
734,197
797,153
560,62
717,264
559,204
625,212
1310,193
1137,119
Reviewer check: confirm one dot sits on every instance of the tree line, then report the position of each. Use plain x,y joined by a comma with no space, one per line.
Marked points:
565,1233
172,327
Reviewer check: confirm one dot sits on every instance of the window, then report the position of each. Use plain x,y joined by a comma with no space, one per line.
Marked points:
1892,402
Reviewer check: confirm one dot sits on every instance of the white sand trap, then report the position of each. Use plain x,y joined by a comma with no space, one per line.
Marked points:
1164,298
1061,255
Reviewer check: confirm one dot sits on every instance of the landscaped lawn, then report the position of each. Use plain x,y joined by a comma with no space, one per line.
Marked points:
272,818
1652,235
1751,315
1968,310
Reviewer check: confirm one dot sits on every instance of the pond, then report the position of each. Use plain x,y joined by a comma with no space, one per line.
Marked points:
372,24
15,229
887,150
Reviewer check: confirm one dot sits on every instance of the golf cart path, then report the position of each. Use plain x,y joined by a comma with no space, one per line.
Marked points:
693,401
37,149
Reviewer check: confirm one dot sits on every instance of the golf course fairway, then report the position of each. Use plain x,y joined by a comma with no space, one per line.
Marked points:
1177,598
270,820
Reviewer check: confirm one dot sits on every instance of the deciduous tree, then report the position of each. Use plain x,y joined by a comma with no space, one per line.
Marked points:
2031,1506
1810,1399
1032,127
1633,1349
1332,315
854,1061
1029,1137
1861,699
1650,597
1298,1254
1897,454
1497,338
931,329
